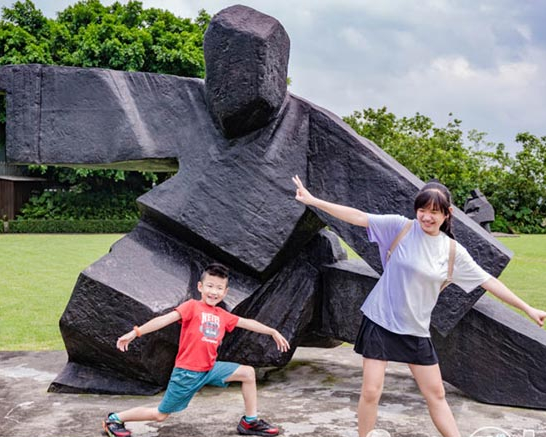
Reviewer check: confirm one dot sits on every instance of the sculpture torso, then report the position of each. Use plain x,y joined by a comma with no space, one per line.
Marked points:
199,200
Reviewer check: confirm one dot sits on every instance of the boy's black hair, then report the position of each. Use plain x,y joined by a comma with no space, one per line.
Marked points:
216,269
436,195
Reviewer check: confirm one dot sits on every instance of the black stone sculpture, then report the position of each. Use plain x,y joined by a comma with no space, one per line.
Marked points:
499,350
478,208
237,139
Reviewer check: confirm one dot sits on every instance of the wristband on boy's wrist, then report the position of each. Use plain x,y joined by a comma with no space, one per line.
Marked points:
137,331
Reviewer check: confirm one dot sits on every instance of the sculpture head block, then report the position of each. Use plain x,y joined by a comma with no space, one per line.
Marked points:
246,56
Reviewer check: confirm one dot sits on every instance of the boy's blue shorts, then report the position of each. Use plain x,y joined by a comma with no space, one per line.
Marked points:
185,383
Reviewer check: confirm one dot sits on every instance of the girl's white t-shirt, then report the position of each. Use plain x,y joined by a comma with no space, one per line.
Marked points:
406,293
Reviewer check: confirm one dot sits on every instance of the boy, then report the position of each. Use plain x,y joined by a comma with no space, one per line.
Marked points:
203,327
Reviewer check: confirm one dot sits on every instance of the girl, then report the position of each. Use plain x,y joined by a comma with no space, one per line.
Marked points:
395,325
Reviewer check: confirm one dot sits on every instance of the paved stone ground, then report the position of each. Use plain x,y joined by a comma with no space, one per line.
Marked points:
316,395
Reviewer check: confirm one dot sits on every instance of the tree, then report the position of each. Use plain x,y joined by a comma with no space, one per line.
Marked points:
515,186
23,31
89,34
518,188
427,151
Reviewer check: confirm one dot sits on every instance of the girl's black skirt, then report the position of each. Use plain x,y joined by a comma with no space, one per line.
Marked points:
374,341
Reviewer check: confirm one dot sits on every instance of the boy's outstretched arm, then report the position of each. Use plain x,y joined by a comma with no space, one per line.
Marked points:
154,324
255,326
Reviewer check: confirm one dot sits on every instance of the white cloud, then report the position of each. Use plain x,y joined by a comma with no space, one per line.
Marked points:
354,38
452,68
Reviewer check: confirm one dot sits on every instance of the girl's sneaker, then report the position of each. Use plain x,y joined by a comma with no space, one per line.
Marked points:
115,428
256,427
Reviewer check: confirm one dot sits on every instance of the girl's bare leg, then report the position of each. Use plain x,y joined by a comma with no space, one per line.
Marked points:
373,376
429,380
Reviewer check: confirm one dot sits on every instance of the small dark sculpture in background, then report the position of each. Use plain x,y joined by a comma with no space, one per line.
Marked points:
236,140
478,208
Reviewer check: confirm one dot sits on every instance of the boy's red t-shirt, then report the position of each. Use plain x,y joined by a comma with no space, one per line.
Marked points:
203,328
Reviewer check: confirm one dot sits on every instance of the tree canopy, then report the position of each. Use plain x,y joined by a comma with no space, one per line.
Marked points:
89,34
514,185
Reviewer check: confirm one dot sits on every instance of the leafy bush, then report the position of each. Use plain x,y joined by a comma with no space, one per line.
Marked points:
70,205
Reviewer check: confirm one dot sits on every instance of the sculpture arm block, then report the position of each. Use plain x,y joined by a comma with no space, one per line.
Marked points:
100,118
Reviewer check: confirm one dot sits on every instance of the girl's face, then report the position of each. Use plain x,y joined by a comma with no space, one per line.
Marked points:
431,219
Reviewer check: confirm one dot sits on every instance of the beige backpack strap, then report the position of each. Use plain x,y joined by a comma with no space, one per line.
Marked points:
399,237
450,263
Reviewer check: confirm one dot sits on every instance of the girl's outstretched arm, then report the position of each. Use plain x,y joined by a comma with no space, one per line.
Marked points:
346,213
154,324
498,289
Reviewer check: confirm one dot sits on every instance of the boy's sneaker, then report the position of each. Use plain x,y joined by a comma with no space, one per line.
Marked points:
115,428
257,427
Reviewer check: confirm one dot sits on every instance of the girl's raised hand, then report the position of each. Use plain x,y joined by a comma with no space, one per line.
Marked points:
302,194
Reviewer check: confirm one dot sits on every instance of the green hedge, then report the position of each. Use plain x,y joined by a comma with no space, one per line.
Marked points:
70,226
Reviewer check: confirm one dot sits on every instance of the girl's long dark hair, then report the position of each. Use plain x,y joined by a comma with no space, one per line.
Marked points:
437,196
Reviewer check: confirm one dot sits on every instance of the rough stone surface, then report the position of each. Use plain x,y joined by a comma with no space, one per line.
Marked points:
231,201
341,305
135,120
487,355
315,395
235,199
245,88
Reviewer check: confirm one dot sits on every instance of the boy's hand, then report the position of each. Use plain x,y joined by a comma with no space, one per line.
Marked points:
123,342
282,343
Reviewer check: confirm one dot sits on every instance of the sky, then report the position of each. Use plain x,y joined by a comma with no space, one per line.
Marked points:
484,61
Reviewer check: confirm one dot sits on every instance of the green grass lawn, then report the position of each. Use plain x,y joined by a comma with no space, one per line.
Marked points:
38,273
526,272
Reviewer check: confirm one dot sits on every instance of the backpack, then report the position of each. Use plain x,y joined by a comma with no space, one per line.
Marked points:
451,259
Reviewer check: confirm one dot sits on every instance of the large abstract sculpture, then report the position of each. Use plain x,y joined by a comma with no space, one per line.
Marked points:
236,138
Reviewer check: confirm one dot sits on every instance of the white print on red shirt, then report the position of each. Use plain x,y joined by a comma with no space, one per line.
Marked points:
210,327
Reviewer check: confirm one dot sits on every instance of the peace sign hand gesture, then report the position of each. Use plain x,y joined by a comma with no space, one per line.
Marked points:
302,194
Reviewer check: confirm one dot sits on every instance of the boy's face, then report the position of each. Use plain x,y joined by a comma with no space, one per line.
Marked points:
213,289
